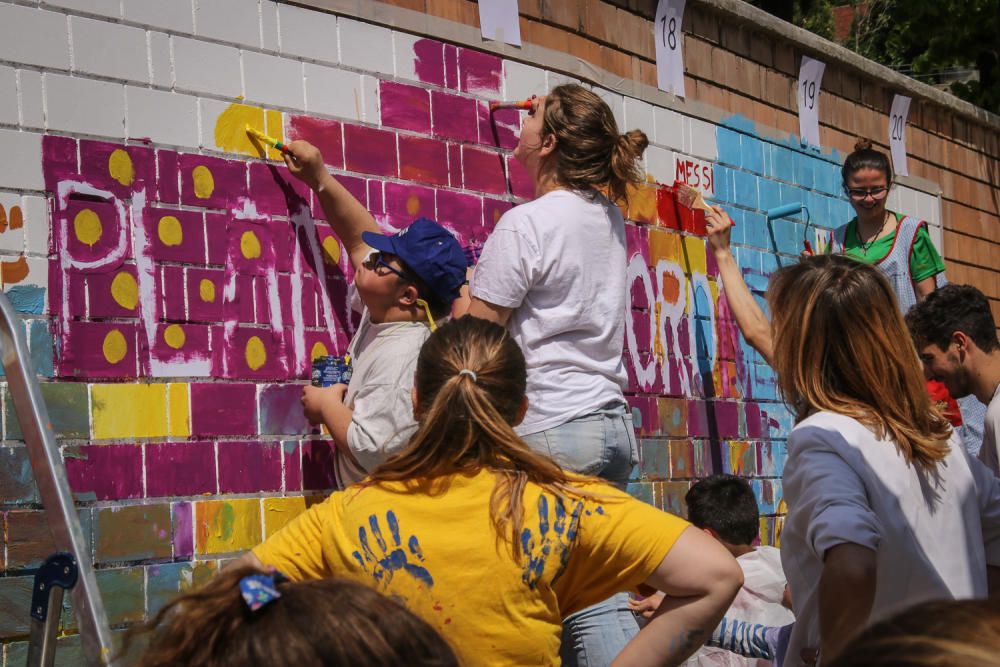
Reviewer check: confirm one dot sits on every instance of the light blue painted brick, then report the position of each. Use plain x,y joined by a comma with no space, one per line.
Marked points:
768,151
768,263
752,158
805,170
783,164
738,233
828,179
770,194
40,345
745,185
791,194
723,184
27,299
728,146
788,236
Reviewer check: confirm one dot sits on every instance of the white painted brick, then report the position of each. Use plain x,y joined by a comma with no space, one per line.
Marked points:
83,105
8,98
556,79
522,81
34,36
273,81
29,89
333,92
228,20
11,240
892,202
21,167
700,139
36,222
166,118
269,39
210,110
928,208
173,15
207,68
38,273
660,164
370,100
111,8
161,69
402,44
938,238
109,49
907,200
365,46
308,33
617,104
668,128
638,116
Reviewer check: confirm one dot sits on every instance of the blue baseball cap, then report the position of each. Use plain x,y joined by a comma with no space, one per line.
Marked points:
429,251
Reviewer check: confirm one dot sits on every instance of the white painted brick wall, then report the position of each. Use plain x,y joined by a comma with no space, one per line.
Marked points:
86,106
228,20
331,91
203,67
638,115
34,37
309,34
370,100
21,167
9,114
402,44
660,164
273,81
38,273
269,38
109,8
36,222
172,15
522,81
161,70
109,49
700,138
617,103
30,91
365,46
668,128
166,118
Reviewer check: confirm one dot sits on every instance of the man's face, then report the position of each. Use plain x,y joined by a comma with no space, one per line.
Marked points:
946,367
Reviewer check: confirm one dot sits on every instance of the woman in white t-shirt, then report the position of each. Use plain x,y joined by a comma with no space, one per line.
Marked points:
885,507
553,271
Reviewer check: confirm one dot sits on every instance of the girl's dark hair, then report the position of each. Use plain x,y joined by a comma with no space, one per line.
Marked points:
727,505
865,157
470,381
323,623
590,153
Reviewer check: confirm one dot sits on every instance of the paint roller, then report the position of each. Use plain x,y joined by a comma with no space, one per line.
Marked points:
785,210
267,141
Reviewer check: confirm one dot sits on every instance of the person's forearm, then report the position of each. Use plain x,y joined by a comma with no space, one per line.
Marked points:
337,419
346,215
846,596
749,317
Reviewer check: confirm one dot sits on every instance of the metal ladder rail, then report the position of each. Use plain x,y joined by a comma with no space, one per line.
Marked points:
53,487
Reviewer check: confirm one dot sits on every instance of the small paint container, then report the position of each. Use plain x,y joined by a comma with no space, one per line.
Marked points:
330,370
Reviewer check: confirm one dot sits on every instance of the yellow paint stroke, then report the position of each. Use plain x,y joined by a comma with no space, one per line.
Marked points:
250,245
231,135
120,167
278,512
657,343
695,250
170,231
256,353
124,411
87,227
204,182
179,409
114,347
226,526
125,291
318,350
206,290
664,245
174,336
642,203
332,250
14,272
413,205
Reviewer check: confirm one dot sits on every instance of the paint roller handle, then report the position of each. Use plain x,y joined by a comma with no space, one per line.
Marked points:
305,162
808,248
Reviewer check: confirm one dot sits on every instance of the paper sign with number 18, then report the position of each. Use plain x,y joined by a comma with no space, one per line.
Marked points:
669,46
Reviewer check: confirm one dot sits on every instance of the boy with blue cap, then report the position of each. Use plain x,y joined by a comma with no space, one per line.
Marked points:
403,283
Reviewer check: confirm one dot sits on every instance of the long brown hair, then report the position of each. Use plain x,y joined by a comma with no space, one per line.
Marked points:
321,623
590,154
840,345
470,381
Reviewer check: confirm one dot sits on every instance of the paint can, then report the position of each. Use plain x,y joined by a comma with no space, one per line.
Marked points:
330,370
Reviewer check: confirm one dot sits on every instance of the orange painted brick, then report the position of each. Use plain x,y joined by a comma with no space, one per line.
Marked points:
227,526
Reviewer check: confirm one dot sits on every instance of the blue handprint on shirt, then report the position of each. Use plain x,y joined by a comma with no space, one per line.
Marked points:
390,558
560,538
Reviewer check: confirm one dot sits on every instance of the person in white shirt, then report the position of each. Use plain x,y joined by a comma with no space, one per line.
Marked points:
553,271
886,509
956,338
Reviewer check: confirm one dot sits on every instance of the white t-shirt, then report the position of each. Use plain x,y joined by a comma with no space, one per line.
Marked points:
559,263
933,535
990,451
384,360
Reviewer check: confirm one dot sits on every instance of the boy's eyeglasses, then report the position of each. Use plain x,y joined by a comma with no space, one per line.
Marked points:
376,261
859,194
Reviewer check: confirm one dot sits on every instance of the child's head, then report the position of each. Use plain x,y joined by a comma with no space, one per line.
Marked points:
324,623
422,263
867,177
725,507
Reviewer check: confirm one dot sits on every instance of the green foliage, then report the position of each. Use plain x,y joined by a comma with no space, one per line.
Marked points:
816,16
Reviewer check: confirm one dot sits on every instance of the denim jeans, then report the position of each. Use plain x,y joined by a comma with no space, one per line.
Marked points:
601,444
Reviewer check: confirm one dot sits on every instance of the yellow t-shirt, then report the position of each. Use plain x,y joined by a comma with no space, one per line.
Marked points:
434,547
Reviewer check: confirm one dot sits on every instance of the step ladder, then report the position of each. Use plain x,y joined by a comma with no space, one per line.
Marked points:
70,568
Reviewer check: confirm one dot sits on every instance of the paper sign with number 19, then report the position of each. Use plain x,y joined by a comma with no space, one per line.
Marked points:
669,46
810,81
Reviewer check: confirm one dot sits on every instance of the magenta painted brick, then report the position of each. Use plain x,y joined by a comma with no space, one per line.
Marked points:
376,198
277,192
317,465
423,160
180,468
358,187
195,344
450,66
727,418
522,185
205,301
698,419
263,359
280,410
493,210
114,230
94,158
292,463
168,187
104,472
85,355
454,117
479,73
241,307
428,61
409,201
182,515
405,107
637,241
175,235
249,467
221,183
754,424
251,250
459,210
483,171
171,305
59,160
500,128
223,409
102,301
455,165
326,135
370,151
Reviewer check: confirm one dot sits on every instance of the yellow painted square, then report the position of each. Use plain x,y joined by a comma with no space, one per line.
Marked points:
694,250
128,411
179,402
278,512
276,130
226,526
664,245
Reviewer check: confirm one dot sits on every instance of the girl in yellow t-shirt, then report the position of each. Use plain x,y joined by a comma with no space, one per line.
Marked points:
492,543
